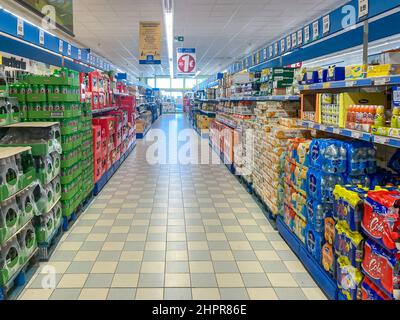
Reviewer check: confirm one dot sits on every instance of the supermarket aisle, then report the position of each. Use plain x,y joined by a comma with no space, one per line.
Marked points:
173,232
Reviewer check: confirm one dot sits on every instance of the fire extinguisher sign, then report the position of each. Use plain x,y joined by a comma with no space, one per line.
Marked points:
186,61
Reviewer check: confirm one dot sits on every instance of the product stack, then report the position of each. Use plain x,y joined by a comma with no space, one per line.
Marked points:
275,81
9,110
273,129
57,98
244,150
18,206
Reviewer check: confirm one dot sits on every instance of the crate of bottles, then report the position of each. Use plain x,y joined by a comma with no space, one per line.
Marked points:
70,189
71,173
71,141
47,224
9,111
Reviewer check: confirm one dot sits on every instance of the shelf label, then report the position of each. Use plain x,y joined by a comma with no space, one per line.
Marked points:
326,85
336,131
41,37
323,127
357,135
60,46
20,27
350,83
381,140
381,81
69,51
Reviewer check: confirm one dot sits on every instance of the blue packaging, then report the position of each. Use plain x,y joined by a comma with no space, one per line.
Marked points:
336,73
361,158
316,213
314,243
396,97
364,181
394,162
322,75
328,155
320,185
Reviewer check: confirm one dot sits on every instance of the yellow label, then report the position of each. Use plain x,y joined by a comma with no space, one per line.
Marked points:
1,59
150,40
327,85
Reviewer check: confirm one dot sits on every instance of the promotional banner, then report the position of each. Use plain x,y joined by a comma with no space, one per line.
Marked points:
150,43
186,61
63,10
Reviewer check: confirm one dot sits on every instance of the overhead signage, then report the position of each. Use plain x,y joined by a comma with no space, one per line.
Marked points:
150,43
13,63
186,61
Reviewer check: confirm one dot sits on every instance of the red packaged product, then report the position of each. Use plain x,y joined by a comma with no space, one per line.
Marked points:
370,291
382,267
381,221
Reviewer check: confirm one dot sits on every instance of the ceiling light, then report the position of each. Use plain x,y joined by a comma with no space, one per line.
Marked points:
168,7
197,74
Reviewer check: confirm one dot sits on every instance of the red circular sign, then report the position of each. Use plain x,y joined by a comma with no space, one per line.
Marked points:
186,63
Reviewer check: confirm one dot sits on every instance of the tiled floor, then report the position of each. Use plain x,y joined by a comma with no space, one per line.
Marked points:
172,232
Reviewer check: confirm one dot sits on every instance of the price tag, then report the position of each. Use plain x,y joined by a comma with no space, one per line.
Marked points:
79,54
69,51
323,127
41,36
326,24
357,135
315,30
307,34
326,85
381,140
20,27
381,81
61,46
350,83
306,87
271,51
336,131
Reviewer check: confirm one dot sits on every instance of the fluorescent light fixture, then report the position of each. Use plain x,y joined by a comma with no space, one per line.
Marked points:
168,7
197,74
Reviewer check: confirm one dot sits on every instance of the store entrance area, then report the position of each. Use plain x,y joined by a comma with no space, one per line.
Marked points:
172,232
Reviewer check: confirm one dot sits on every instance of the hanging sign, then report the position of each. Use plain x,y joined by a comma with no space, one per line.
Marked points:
307,34
41,37
315,30
150,43
186,61
294,40
326,25
60,46
363,8
299,37
20,27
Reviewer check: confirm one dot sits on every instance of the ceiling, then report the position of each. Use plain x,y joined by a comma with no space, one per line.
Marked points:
222,31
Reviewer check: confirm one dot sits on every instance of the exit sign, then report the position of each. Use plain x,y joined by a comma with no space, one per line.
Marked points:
180,38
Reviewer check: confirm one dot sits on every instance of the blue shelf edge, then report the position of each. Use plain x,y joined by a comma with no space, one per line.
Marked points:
326,283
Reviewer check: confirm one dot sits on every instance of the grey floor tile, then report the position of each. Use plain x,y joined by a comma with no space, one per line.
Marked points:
134,245
156,237
176,245
233,294
214,229
245,256
61,256
274,267
45,281
196,236
65,294
225,267
99,281
154,256
78,267
109,256
304,280
236,236
290,294
251,229
287,255
77,237
177,294
177,267
121,294
219,245
273,236
92,246
116,237
128,267
149,280
261,245
199,256
203,280
122,223
255,280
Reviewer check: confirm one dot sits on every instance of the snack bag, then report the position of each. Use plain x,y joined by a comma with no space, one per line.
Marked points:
330,230
370,291
381,220
328,259
349,279
382,267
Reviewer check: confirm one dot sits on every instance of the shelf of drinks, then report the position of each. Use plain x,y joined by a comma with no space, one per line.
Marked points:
252,98
359,83
359,135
